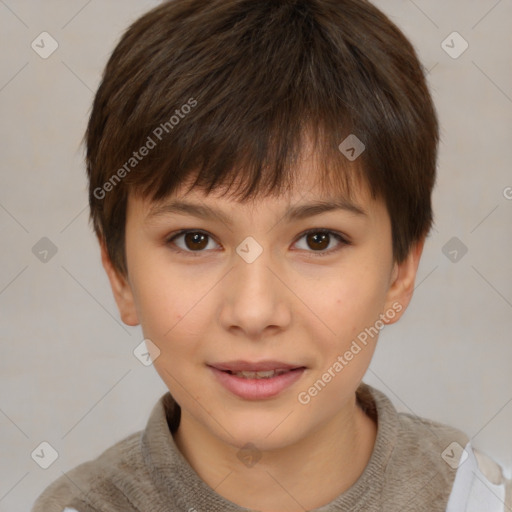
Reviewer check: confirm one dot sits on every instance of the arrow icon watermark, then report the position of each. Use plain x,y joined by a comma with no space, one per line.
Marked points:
352,147
44,45
454,249
44,250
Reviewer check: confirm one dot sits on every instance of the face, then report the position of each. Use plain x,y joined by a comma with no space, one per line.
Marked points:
266,314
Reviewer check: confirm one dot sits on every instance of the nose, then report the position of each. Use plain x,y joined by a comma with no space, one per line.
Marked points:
255,300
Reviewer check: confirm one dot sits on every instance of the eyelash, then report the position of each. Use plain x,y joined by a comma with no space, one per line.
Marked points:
343,241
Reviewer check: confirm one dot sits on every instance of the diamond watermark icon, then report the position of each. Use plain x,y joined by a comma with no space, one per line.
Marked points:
44,45
44,250
352,147
454,455
44,455
249,455
454,249
454,45
146,352
507,193
249,250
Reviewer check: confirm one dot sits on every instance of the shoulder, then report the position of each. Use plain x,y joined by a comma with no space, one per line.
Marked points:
118,463
472,480
479,484
443,442
421,467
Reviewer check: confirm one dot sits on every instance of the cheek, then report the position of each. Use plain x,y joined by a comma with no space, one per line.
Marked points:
167,313
175,314
352,300
164,298
349,306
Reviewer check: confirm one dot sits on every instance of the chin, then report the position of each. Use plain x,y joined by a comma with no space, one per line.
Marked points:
264,431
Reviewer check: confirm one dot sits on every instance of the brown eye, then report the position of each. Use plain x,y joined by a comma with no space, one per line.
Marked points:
318,241
193,241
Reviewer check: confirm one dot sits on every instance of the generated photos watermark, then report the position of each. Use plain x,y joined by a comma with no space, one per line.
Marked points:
151,143
342,361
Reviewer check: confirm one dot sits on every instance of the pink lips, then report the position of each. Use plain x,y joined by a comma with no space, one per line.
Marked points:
257,388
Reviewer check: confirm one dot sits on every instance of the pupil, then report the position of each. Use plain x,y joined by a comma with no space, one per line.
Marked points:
319,240
197,240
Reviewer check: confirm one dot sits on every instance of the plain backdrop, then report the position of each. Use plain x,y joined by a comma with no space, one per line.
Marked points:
68,373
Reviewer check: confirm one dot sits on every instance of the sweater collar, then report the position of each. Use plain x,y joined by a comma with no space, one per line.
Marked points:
181,485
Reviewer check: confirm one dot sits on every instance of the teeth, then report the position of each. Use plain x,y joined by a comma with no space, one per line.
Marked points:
259,375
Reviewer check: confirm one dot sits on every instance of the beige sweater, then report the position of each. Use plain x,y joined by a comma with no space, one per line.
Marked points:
412,468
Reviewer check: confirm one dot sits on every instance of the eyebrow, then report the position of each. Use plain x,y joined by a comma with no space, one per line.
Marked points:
297,212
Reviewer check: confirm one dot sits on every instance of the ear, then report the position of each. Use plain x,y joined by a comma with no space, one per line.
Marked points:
121,289
402,283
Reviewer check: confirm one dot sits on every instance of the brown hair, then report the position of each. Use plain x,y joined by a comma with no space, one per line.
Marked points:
228,90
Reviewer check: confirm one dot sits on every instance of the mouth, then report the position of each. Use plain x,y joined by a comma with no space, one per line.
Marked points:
267,374
259,380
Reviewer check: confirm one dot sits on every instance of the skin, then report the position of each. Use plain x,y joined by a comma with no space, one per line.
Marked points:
289,305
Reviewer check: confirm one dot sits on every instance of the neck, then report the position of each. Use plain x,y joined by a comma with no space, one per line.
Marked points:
298,477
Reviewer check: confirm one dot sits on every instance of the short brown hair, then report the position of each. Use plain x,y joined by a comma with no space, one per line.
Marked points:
227,90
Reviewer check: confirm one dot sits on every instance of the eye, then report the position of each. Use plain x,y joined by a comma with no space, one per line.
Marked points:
320,239
193,241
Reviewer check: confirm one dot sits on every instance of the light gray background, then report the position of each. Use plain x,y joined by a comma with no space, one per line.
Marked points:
68,373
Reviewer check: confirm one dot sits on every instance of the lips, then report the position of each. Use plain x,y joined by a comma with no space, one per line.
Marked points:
261,366
255,370
265,374
256,380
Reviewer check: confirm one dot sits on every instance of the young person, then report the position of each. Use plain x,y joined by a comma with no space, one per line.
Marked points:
260,177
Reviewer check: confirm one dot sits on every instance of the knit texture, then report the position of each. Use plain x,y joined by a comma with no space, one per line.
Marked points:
145,472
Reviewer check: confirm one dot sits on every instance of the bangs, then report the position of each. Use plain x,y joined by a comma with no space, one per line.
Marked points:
258,165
